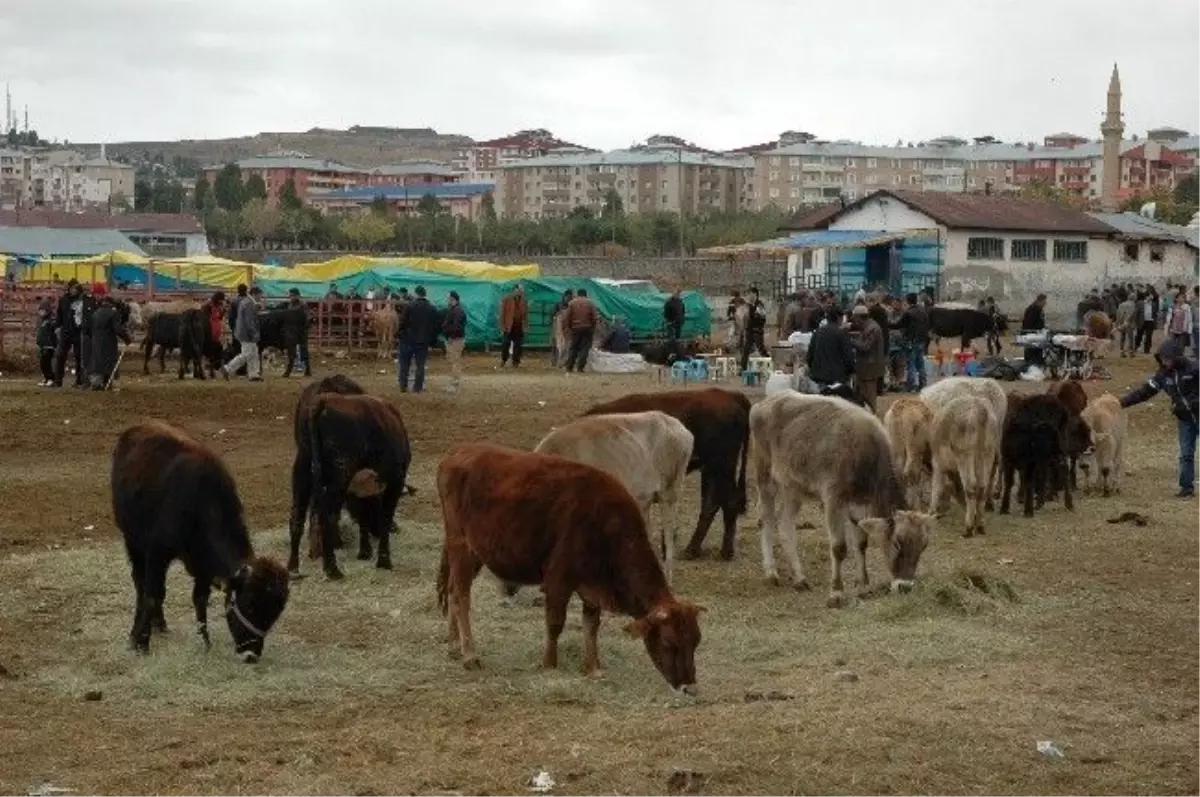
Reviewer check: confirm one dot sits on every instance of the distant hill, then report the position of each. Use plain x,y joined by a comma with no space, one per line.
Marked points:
359,146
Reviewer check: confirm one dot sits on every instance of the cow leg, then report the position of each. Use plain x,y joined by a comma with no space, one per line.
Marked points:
383,510
972,496
862,540
666,527
729,514
788,508
200,592
935,490
993,490
558,595
1068,485
591,644
1005,502
162,359
301,499
835,524
148,348
463,569
137,571
329,509
767,526
1030,476
708,511
183,360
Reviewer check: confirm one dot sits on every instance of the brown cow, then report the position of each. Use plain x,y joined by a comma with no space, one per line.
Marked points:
174,499
719,421
1071,394
385,322
1108,423
907,422
574,529
829,449
965,440
1097,324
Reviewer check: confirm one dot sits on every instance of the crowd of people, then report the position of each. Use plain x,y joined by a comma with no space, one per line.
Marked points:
87,324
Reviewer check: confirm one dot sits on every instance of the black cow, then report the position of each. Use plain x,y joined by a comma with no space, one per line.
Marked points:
174,499
359,447
1035,444
719,420
195,336
964,323
162,331
276,331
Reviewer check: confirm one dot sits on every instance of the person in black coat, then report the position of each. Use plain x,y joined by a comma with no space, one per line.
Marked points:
69,322
419,327
107,329
1034,320
674,315
295,333
830,355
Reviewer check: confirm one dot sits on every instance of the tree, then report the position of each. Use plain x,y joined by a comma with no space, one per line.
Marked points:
118,202
261,220
379,206
143,195
487,207
288,198
255,188
295,223
612,204
167,196
228,188
366,230
429,206
201,194
1187,190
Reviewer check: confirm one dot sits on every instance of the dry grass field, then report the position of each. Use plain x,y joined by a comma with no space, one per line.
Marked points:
1063,628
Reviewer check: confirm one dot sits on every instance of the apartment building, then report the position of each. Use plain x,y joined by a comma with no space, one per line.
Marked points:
62,180
310,175
481,162
647,179
413,173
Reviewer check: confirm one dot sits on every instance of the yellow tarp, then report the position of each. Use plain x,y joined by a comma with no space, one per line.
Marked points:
350,264
87,269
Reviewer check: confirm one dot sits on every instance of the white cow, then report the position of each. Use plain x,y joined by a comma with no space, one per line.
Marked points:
827,448
647,451
943,392
965,441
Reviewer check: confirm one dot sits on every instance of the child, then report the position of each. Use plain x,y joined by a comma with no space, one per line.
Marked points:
46,343
1180,378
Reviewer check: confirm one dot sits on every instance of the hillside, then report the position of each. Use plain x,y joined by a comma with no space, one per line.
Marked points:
359,146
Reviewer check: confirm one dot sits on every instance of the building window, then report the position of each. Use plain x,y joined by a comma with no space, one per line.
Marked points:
849,163
1029,249
664,199
985,249
871,162
895,163
793,161
1130,253
851,178
871,179
1070,251
664,185
774,193
795,193
896,179
914,179
1156,253
774,160
773,176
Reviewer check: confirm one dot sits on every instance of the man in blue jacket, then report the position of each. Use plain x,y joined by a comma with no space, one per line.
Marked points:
1179,378
419,326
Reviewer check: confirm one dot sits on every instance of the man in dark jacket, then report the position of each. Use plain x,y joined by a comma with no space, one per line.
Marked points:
830,356
295,333
46,342
107,329
581,319
235,345
870,347
793,318
674,315
1034,320
914,337
69,319
418,329
756,325
1146,309
1179,378
454,328
617,340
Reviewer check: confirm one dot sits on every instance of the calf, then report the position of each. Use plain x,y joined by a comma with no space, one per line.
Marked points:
907,423
162,330
173,499
195,338
385,321
1034,444
827,449
359,447
964,439
1108,424
534,518
719,421
648,451
1071,394
943,392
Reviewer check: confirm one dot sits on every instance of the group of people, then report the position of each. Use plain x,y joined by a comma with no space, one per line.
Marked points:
574,322
87,323
1139,311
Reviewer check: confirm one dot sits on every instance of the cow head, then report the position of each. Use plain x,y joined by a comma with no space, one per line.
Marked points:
254,599
1078,437
905,536
671,632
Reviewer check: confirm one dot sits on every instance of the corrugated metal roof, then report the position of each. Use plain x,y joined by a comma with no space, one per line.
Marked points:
177,223
970,152
292,162
1133,225
52,242
415,167
637,157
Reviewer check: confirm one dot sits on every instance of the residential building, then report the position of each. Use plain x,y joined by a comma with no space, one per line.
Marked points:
63,180
165,234
461,200
309,174
481,162
413,173
646,179
1149,245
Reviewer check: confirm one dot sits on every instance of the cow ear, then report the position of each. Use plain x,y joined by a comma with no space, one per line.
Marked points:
874,525
238,579
638,628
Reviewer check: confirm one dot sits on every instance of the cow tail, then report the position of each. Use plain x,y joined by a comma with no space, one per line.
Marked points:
443,581
741,482
314,439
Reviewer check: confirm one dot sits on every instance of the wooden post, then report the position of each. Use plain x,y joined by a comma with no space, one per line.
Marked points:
150,280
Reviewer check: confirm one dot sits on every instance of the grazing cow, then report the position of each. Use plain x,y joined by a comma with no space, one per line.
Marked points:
1108,424
1034,444
964,440
173,499
648,451
162,330
907,423
384,322
719,421
946,390
359,447
827,449
535,518
1075,400
195,338
956,320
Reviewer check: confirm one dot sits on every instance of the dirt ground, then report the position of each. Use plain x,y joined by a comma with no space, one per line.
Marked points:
1064,628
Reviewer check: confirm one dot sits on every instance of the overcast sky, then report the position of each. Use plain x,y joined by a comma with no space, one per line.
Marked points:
599,72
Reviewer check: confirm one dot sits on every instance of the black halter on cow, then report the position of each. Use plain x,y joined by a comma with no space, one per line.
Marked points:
173,499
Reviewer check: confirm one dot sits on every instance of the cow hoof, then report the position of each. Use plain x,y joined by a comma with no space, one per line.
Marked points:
364,556
595,674
802,585
773,579
968,533
835,600
979,530
1028,514
692,553
472,663
334,574
384,564
989,507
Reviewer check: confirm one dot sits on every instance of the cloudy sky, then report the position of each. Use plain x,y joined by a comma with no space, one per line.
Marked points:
599,72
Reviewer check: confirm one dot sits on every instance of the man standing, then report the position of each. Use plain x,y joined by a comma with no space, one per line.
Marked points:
235,346
214,311
1180,378
1147,313
1124,321
418,328
558,331
871,349
830,355
90,300
581,322
245,332
69,319
454,327
793,318
674,314
1034,320
756,325
295,333
914,326
107,329
514,320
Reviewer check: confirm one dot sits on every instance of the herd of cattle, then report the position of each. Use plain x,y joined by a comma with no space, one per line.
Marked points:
572,516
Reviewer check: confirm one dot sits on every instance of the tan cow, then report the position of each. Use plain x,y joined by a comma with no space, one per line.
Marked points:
647,451
827,448
965,441
941,393
1109,424
141,313
907,423
385,322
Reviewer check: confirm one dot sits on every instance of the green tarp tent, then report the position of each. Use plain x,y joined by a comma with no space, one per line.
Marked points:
641,309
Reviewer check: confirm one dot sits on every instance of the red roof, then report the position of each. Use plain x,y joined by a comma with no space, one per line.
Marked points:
177,223
1168,156
992,212
813,218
